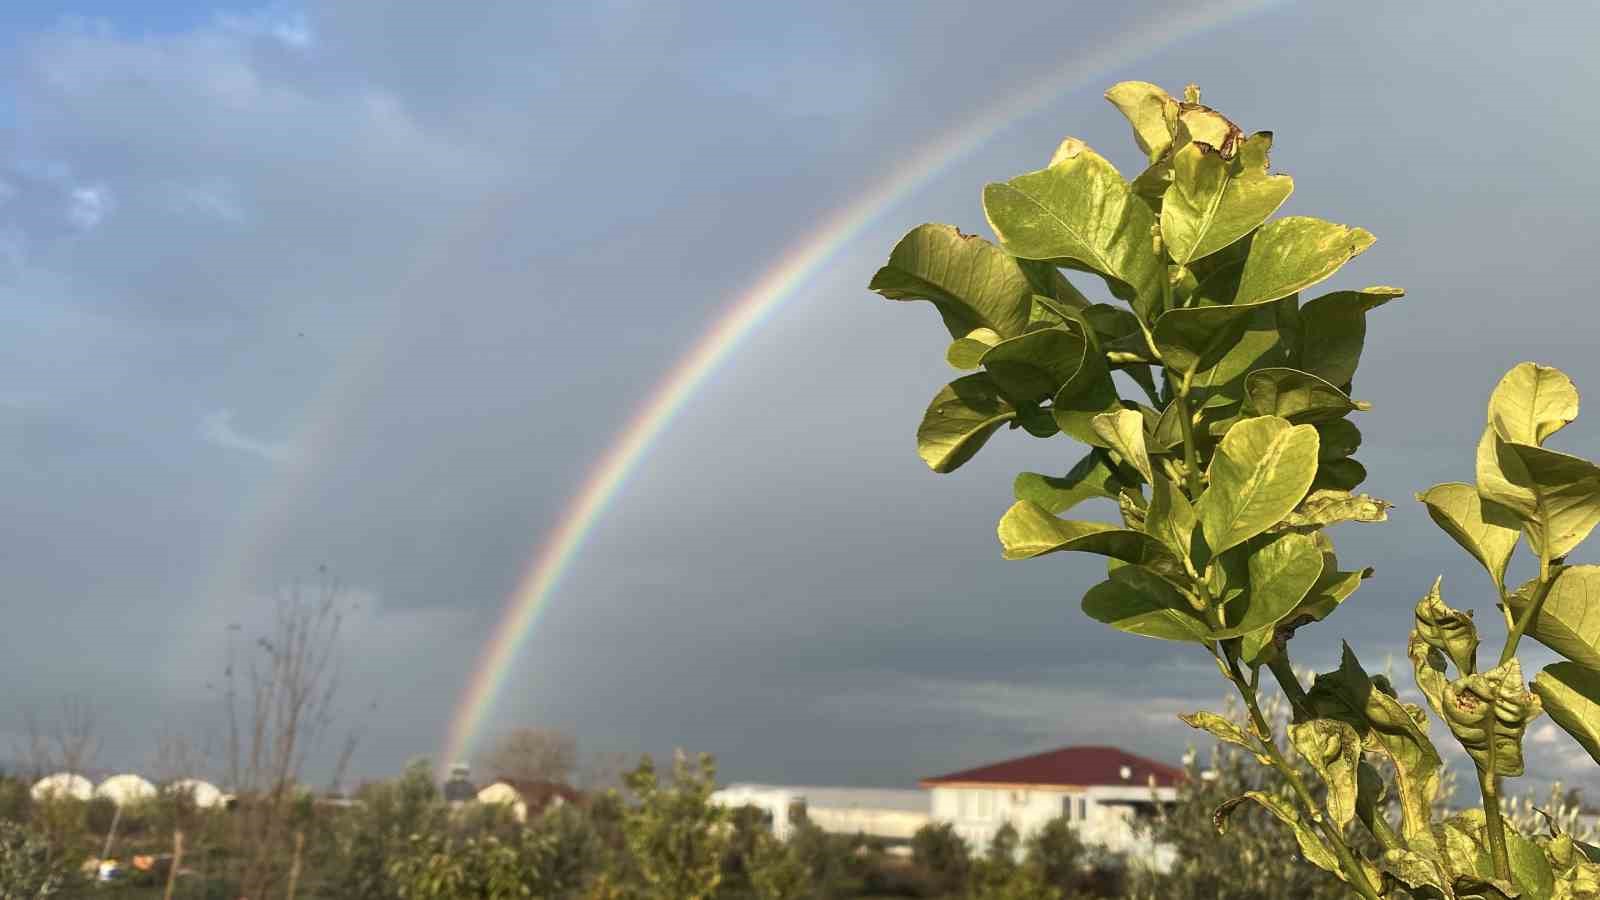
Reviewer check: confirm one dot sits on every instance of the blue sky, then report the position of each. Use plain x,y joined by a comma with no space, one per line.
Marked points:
370,285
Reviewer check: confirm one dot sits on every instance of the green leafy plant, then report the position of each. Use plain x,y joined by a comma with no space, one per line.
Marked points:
1232,460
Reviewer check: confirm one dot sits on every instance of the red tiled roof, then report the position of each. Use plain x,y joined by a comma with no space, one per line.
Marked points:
1069,767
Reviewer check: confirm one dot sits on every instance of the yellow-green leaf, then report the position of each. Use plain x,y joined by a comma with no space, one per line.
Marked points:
1333,749
1197,337
1281,574
1218,727
1092,477
960,419
973,283
1569,619
1148,109
1123,431
1031,367
1532,402
1026,531
1293,253
1259,473
1458,510
1080,213
967,352
1571,694
1556,495
1333,330
1311,846
1297,396
1214,201
1138,601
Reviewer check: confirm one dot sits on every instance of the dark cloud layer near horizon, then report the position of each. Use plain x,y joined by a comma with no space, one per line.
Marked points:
373,284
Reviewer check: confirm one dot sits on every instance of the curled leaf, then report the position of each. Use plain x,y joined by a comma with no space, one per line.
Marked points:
1218,727
1334,749
1488,714
1311,845
1458,510
1324,506
1448,630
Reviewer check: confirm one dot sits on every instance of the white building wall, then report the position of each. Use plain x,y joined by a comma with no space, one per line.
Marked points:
1100,815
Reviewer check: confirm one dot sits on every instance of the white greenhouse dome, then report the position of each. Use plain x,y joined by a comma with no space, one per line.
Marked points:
123,789
504,794
63,784
205,794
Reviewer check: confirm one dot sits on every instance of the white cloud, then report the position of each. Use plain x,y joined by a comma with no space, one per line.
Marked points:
88,206
1545,733
217,428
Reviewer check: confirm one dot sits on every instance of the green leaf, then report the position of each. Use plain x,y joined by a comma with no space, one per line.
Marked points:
1311,846
1333,330
972,282
1030,368
1198,337
1532,402
1140,602
1293,253
1333,749
1027,531
1339,475
1148,109
1569,619
1337,439
1088,393
1571,694
1281,574
967,352
960,419
1261,343
1297,396
1171,518
1488,713
1123,432
1556,495
1218,727
1258,474
1092,477
1458,510
1333,587
1215,201
1080,213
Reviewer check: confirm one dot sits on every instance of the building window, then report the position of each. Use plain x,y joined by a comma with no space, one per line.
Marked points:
1066,808
1083,809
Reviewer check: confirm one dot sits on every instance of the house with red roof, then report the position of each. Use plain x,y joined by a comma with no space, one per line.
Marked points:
1103,791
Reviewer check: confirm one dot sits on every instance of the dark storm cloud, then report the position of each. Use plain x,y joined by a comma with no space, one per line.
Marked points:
373,284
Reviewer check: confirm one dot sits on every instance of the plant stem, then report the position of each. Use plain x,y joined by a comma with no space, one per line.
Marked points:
1487,785
1191,458
1526,618
1289,682
1356,876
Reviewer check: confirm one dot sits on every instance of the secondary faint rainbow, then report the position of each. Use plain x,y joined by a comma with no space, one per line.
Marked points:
743,316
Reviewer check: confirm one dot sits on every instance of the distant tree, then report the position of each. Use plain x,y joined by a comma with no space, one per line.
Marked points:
674,833
776,871
28,868
943,853
282,712
532,754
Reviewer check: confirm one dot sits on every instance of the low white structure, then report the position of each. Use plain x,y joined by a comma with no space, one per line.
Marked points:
1101,791
204,794
123,789
504,794
893,815
62,785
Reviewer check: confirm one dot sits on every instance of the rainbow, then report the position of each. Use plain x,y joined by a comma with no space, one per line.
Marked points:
746,313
